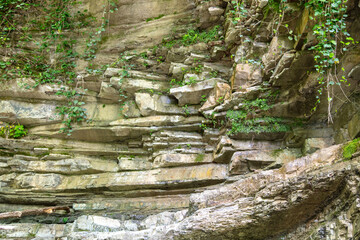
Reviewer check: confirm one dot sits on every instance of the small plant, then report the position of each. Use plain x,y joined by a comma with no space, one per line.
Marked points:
160,59
186,110
220,100
155,18
200,157
144,55
193,36
214,74
203,99
72,112
174,82
65,220
191,80
351,148
199,68
13,131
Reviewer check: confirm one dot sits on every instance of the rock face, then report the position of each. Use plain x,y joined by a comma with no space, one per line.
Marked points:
200,127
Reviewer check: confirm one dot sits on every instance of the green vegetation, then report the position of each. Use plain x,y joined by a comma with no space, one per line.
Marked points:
351,148
49,57
186,110
256,125
332,41
200,157
247,120
155,18
13,131
195,36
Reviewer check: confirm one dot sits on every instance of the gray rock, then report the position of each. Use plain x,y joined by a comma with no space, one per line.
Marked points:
192,94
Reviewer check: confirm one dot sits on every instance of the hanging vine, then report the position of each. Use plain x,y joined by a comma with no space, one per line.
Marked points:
333,40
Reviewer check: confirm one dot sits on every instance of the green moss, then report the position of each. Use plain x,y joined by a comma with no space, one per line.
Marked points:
155,18
350,148
200,157
277,152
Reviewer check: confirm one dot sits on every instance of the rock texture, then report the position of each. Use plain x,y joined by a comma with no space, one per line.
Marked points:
159,160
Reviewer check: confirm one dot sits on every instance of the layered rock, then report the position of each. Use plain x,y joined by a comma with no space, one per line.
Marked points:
160,158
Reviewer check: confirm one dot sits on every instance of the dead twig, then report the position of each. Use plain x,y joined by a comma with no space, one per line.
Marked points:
31,212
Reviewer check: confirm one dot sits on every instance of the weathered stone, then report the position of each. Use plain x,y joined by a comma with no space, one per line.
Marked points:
124,181
226,147
177,136
218,53
221,92
223,68
193,58
21,89
190,78
192,94
161,120
247,161
132,85
216,11
130,110
102,112
96,224
147,75
65,166
178,70
144,204
278,46
291,68
89,134
128,163
174,160
28,113
245,76
313,144
160,104
112,72
354,126
108,92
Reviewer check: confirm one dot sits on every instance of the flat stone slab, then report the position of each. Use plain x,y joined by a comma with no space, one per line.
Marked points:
132,85
173,160
158,178
28,113
64,166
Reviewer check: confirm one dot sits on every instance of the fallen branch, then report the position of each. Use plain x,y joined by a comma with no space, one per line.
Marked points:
30,212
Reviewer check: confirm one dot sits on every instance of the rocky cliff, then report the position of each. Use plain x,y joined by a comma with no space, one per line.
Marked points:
181,119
